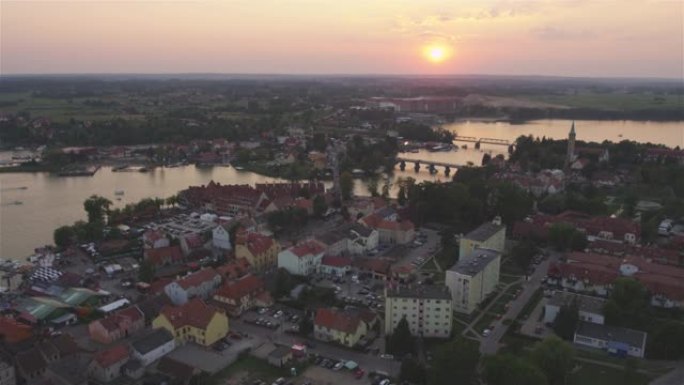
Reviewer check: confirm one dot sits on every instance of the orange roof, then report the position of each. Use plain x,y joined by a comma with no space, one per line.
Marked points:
256,243
309,247
197,278
162,254
243,287
13,331
193,313
234,269
108,357
336,261
335,319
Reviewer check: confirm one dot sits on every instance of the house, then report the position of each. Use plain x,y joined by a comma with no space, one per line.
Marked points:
30,365
280,356
302,259
335,325
191,242
243,294
615,340
164,256
194,321
607,228
391,229
490,235
473,278
153,346
234,269
106,365
68,371
335,265
151,306
180,372
426,308
353,238
220,238
153,239
259,250
378,268
201,284
133,369
117,326
590,308
224,199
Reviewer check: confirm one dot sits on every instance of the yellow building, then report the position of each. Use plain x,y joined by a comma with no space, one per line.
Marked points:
195,321
473,278
491,235
334,325
259,250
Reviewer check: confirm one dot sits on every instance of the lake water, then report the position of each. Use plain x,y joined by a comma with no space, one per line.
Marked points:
51,201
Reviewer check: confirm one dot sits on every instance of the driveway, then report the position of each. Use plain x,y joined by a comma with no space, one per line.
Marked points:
209,360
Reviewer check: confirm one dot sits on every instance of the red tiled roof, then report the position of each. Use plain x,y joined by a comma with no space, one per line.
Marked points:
114,321
14,331
245,286
335,319
193,313
336,261
234,269
256,243
308,247
160,255
197,278
153,235
194,241
108,357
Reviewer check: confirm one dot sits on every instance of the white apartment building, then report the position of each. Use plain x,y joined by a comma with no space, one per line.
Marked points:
427,310
302,259
473,278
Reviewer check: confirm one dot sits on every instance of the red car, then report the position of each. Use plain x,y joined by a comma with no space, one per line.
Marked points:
358,373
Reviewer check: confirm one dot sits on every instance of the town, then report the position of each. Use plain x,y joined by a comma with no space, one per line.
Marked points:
561,260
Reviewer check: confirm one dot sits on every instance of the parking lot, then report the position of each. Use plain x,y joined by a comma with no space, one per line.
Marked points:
277,317
211,360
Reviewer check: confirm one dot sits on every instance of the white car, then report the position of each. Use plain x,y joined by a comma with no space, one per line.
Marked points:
385,382
387,356
486,332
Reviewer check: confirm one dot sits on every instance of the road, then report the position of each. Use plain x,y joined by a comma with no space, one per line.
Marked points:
366,361
490,344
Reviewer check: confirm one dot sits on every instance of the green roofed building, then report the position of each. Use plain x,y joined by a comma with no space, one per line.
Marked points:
79,296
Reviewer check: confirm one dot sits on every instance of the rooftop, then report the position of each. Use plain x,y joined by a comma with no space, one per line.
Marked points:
584,302
475,262
193,313
420,291
610,333
485,231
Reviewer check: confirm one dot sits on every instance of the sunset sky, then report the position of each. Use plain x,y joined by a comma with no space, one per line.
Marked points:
642,38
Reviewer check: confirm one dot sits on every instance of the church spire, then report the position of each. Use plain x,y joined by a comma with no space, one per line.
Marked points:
572,129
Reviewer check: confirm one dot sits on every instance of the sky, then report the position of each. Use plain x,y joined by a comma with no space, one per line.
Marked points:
594,38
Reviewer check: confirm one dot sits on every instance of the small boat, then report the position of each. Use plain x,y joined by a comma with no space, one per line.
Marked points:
118,198
239,168
17,203
119,192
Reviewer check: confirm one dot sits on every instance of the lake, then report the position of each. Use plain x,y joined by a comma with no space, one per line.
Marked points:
50,201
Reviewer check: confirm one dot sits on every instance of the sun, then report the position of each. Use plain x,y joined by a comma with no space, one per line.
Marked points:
436,53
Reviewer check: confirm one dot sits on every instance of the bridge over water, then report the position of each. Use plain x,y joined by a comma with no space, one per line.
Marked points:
472,139
431,164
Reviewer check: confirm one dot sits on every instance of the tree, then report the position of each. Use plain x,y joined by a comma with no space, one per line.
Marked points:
554,357
319,141
63,236
566,320
628,304
563,236
372,186
146,271
401,342
666,341
386,187
523,252
401,196
456,360
346,185
96,207
319,206
412,371
507,369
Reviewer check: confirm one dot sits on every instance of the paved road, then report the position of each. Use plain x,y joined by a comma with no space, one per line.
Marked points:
366,361
490,344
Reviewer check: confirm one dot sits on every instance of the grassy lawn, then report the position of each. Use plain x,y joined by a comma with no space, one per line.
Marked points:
250,368
484,322
511,268
506,279
531,304
612,101
593,374
654,367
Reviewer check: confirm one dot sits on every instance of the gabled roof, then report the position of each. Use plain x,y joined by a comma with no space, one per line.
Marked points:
307,248
234,269
111,356
336,261
152,341
247,285
197,278
193,313
336,319
159,255
256,243
114,321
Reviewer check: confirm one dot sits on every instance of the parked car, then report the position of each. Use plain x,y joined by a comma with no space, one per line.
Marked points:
338,366
486,332
387,356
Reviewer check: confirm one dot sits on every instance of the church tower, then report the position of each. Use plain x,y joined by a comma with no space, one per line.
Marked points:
570,157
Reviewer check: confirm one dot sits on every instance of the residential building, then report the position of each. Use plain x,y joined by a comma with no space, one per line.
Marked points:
391,228
224,199
195,321
594,274
280,356
153,346
155,238
302,259
220,238
490,235
259,250
151,306
427,309
614,340
473,278
354,238
107,363
180,372
335,265
200,284
607,228
164,256
335,325
590,308
117,325
243,294
191,242
234,269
